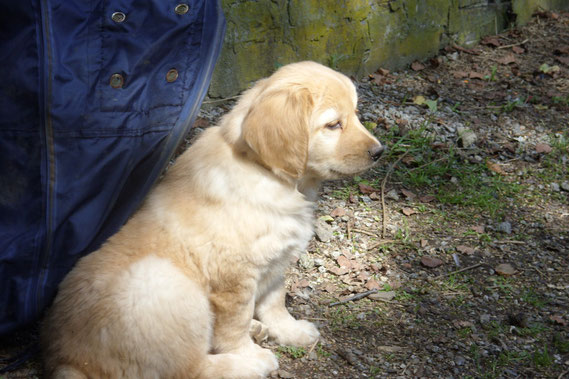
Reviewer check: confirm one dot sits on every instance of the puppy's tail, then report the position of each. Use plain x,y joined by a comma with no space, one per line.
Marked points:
67,372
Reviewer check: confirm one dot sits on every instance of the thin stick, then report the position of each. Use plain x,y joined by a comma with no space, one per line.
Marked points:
349,230
511,241
383,210
513,44
365,232
313,346
461,270
355,297
562,374
379,243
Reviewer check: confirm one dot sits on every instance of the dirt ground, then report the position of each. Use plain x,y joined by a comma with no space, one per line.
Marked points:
450,259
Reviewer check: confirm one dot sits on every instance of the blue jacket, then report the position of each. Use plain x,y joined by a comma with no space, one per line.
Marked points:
94,98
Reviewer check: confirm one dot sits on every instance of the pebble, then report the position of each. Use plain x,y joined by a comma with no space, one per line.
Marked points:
323,231
555,187
459,360
393,195
306,261
565,186
504,227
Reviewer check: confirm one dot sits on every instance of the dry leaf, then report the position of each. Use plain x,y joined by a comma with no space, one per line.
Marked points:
200,123
372,284
505,269
460,74
557,319
338,270
475,75
518,50
506,60
366,189
427,198
419,100
495,168
408,211
491,41
465,249
417,66
431,262
408,194
478,229
344,262
543,148
424,243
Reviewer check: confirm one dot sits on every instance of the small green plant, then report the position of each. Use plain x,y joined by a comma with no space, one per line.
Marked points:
432,104
531,297
321,352
292,351
492,76
561,343
511,105
542,358
464,332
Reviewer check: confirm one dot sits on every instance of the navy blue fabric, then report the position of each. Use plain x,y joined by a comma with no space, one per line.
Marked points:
77,155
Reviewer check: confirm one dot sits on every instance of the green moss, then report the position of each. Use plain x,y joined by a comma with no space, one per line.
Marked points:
353,36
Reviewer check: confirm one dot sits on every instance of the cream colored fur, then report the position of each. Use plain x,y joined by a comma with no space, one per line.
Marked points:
174,292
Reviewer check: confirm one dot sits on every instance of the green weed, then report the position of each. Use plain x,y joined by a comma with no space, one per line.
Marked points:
292,351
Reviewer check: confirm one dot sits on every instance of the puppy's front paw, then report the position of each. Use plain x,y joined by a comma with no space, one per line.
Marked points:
258,331
263,360
294,332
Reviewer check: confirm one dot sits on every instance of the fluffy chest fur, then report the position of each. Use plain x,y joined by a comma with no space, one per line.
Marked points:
224,205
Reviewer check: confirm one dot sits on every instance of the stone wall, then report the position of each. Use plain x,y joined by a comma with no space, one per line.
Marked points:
354,36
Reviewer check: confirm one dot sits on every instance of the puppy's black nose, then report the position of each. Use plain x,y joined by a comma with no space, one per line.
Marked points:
376,151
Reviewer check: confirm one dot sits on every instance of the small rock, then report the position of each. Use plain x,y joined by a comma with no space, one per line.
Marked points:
384,295
392,195
284,374
318,262
466,137
505,269
366,199
504,227
565,186
484,319
555,187
306,261
323,231
431,262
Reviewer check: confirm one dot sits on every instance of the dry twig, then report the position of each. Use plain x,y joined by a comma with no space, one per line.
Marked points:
383,210
357,296
461,270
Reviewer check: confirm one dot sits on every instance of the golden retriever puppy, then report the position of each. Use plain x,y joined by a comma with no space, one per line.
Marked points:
174,293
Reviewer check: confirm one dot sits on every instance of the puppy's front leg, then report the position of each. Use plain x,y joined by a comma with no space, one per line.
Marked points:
283,328
233,307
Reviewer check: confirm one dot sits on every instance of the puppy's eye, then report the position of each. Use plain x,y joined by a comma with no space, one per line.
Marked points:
334,125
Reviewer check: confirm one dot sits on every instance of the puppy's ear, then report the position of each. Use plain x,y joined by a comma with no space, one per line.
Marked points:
277,129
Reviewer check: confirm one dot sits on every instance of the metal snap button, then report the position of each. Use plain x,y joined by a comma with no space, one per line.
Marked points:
172,75
118,17
117,81
182,8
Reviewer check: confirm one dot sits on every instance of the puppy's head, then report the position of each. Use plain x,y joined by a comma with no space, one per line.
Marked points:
302,121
